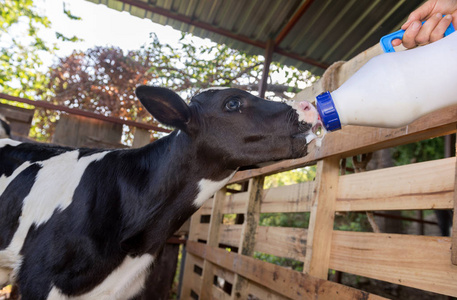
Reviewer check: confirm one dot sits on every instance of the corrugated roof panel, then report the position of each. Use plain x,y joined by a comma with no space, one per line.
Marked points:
328,31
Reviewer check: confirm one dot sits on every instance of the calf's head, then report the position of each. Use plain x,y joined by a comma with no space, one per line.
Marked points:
232,126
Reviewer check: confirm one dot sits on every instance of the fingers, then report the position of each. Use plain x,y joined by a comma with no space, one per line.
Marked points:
430,31
419,14
409,38
438,32
396,42
424,35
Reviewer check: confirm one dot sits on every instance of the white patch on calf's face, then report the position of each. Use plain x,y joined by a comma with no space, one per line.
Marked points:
53,189
125,282
208,188
306,111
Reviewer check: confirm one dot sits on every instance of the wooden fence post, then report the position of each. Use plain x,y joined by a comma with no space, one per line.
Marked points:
213,241
454,221
321,220
248,232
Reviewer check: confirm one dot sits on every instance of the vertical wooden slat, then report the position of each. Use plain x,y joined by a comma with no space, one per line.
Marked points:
141,138
454,221
190,278
248,232
213,241
321,219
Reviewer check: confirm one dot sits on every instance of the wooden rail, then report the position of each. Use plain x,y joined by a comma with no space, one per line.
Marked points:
422,262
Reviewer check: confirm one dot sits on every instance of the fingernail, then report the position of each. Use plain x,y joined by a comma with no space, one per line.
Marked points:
448,17
415,25
438,15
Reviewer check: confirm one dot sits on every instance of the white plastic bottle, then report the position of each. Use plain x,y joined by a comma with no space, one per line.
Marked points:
394,89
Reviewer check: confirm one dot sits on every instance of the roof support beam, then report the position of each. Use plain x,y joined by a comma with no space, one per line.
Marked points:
298,14
266,68
221,31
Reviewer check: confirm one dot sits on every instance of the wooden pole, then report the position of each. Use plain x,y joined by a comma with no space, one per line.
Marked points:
321,220
454,221
248,232
266,68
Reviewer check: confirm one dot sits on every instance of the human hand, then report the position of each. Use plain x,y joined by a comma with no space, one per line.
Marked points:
434,28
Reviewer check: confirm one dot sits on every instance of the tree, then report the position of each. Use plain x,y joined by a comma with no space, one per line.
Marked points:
21,67
103,79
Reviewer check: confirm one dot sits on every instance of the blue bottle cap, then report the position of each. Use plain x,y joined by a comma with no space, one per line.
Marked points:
327,111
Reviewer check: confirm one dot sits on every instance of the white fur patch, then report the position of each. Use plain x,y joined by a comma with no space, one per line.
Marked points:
10,142
207,188
214,88
54,187
123,283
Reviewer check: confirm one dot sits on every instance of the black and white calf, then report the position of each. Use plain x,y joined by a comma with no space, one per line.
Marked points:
89,223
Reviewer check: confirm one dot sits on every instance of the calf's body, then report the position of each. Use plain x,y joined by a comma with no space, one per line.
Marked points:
89,223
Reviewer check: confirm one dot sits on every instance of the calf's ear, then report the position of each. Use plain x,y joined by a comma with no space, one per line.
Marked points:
164,105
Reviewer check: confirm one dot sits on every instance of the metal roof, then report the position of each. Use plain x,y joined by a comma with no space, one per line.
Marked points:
308,34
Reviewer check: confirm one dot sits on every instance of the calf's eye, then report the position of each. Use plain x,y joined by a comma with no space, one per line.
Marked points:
233,105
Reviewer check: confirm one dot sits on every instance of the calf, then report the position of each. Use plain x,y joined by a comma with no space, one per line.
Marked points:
89,223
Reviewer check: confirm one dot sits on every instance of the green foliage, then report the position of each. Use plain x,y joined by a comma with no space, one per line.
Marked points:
352,221
421,151
290,177
297,220
19,57
281,261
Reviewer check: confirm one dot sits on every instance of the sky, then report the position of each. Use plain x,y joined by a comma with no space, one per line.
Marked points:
101,26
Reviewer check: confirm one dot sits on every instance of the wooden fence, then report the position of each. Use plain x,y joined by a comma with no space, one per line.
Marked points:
220,261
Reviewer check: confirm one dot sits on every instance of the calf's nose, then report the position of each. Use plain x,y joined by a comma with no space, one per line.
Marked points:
307,112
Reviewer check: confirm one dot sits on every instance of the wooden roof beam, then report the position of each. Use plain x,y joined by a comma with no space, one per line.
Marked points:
221,31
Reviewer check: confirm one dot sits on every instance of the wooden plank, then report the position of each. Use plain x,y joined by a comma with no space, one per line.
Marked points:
141,138
248,232
199,231
223,273
212,241
20,119
454,221
195,232
291,198
191,280
230,235
422,262
236,203
427,185
263,293
353,140
78,131
289,283
282,241
207,207
217,293
322,217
